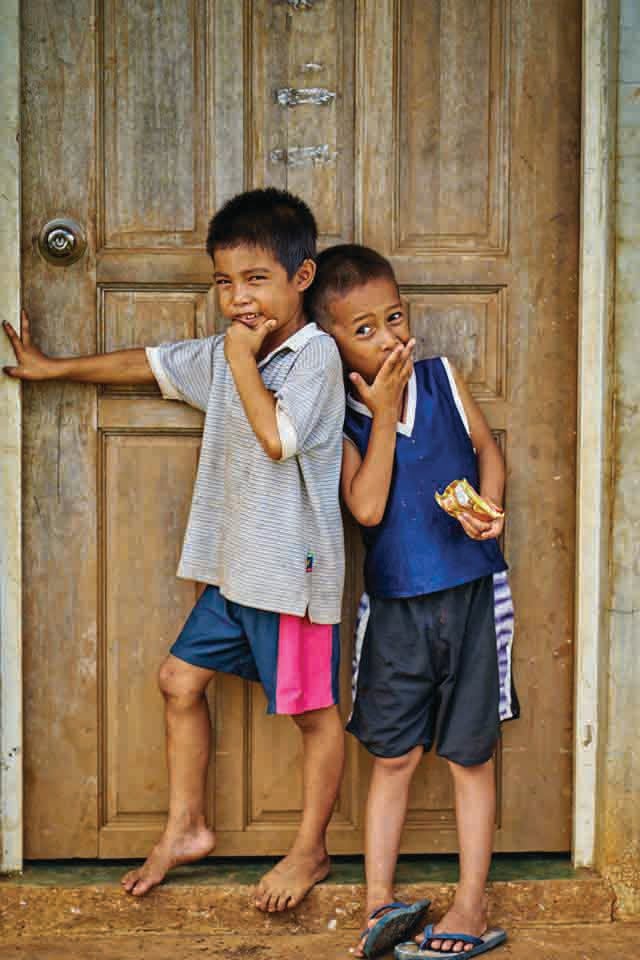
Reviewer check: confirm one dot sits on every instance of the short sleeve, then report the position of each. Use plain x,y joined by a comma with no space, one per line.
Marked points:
184,370
312,396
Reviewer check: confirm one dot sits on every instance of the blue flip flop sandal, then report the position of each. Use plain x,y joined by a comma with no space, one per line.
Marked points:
414,951
399,922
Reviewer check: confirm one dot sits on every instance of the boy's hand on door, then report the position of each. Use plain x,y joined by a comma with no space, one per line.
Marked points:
32,364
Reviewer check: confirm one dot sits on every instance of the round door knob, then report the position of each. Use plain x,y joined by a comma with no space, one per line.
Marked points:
62,241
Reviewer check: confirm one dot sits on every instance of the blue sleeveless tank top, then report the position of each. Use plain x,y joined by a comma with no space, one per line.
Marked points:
417,548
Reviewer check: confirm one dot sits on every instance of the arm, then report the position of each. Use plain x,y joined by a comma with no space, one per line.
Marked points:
241,347
490,465
365,483
122,366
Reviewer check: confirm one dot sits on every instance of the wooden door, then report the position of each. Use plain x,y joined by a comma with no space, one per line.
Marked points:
442,132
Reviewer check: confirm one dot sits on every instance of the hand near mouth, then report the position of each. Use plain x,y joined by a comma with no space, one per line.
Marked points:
246,335
248,319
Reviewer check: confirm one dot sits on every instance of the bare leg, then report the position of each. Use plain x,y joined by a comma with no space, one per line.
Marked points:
386,811
308,861
186,836
475,792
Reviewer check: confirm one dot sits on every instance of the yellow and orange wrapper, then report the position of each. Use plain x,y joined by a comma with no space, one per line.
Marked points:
460,497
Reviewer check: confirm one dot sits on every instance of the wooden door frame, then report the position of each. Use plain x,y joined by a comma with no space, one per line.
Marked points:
599,64
10,451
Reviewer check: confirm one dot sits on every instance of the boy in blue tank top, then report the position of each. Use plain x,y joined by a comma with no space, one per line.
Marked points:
433,644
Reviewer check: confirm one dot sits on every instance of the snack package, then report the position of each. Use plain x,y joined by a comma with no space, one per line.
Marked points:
460,497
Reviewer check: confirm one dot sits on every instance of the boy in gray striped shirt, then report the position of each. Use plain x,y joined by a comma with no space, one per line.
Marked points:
264,531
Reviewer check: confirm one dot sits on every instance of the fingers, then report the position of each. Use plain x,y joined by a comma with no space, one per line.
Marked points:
473,527
398,362
264,329
360,384
13,337
479,529
25,329
406,362
390,363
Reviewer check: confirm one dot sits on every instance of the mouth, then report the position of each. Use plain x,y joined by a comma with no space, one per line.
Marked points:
249,319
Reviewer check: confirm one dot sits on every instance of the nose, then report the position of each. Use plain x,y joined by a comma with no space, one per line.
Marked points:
240,294
387,341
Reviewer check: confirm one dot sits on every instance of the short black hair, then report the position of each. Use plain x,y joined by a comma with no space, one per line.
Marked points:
274,220
339,270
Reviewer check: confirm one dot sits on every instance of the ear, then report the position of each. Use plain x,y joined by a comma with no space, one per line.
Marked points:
304,274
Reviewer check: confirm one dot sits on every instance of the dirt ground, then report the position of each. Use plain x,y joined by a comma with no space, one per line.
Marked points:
526,943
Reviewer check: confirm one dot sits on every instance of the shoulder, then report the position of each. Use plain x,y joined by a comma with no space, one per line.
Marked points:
432,371
430,364
319,355
320,348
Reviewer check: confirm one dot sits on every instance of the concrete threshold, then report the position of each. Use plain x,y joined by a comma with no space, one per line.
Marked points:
185,908
586,942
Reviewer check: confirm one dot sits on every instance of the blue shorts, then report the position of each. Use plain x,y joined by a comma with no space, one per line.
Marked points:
296,661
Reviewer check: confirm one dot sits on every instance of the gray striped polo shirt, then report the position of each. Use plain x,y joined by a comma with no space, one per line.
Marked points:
267,533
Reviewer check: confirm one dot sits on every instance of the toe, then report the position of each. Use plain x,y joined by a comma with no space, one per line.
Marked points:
269,903
292,901
262,899
281,902
130,881
273,901
141,887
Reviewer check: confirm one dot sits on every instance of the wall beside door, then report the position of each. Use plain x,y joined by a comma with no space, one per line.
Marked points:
619,824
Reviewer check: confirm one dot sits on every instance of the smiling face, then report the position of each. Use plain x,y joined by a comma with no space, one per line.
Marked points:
367,323
253,286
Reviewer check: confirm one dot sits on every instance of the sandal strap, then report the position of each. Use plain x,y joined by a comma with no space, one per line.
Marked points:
397,904
429,936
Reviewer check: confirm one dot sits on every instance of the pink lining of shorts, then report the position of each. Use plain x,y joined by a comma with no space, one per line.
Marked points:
304,665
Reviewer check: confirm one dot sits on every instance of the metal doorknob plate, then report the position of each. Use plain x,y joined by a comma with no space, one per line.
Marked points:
62,241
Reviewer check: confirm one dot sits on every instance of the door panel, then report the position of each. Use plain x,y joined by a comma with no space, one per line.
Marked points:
442,133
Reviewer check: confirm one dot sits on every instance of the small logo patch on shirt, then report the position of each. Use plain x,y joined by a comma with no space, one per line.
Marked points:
310,559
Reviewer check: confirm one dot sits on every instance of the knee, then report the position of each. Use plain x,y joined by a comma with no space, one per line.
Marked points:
327,719
403,766
177,685
462,772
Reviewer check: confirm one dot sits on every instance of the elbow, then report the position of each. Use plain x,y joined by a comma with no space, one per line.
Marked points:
272,447
369,516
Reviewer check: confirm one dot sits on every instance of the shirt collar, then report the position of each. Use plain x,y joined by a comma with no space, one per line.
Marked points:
295,342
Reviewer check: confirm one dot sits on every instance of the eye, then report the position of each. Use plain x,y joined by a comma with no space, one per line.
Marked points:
221,282
396,317
364,330
257,276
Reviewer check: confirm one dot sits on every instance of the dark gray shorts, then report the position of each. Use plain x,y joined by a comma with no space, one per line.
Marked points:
428,671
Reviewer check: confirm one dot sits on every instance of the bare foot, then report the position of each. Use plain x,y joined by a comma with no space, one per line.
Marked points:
290,881
171,850
457,920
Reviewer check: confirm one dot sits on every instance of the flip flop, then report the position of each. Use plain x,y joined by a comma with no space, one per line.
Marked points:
399,922
414,951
